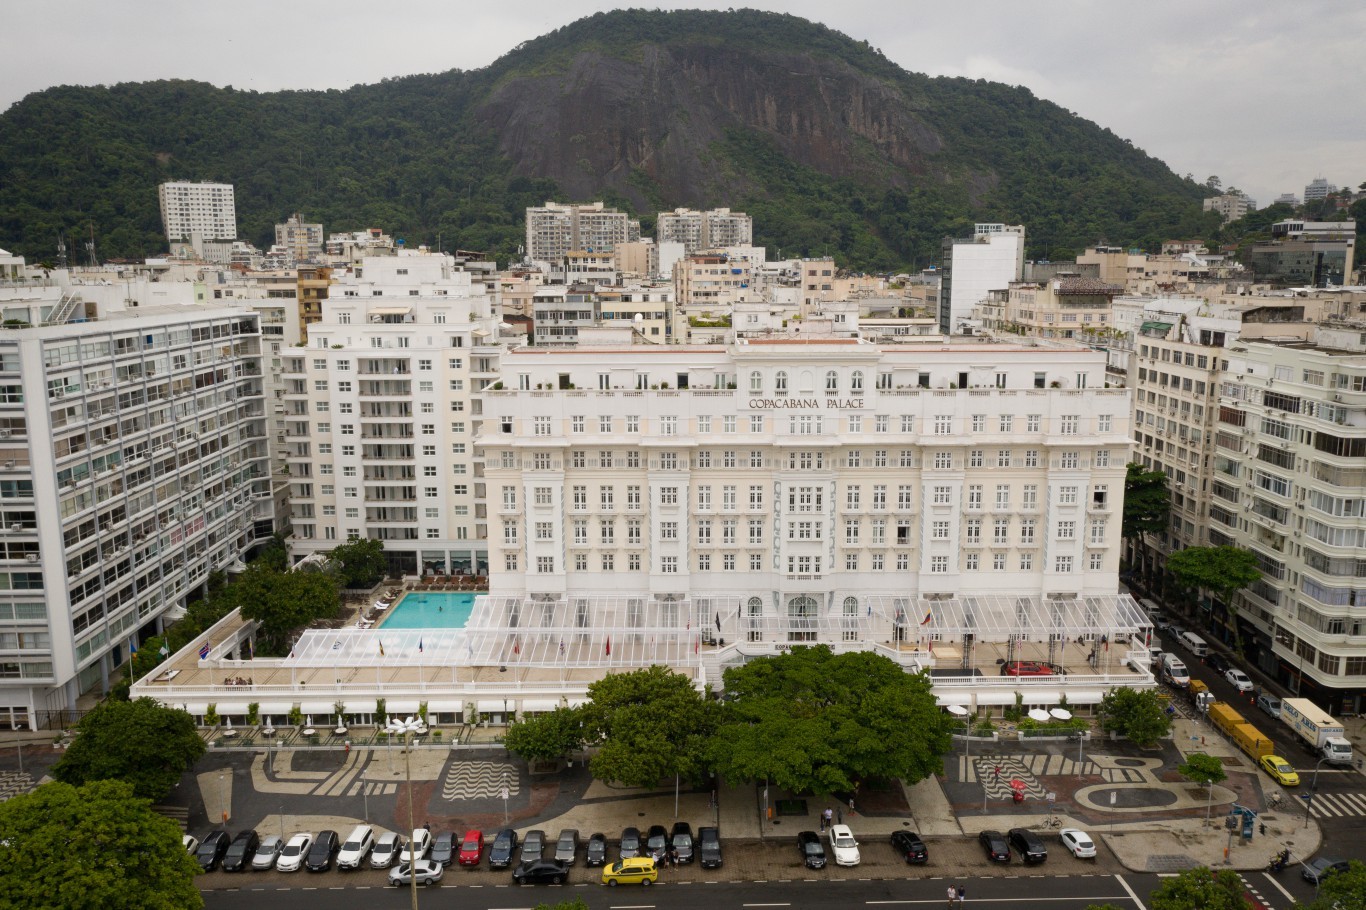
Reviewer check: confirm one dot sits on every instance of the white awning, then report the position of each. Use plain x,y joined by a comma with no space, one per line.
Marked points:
994,698
275,707
317,707
390,310
494,705
1091,697
1039,696
359,705
952,698
536,705
397,707
442,706
193,707
231,707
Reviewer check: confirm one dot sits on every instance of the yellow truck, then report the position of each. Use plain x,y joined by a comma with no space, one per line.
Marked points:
1225,717
1252,741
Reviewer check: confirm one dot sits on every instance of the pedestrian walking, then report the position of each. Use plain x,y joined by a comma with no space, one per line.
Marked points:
827,818
839,814
962,894
953,896
851,806
996,775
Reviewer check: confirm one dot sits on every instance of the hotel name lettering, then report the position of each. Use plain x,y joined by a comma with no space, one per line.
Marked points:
805,404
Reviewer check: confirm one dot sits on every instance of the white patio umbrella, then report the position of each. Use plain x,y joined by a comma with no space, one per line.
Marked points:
956,710
1061,714
1038,714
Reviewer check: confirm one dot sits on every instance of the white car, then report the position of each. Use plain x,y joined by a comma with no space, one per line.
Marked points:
417,847
267,852
292,856
1239,679
843,847
356,847
1078,842
190,843
386,850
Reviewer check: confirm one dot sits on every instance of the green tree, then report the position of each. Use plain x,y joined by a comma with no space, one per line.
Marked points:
138,741
360,563
1147,505
1223,571
812,720
546,737
94,847
275,554
1137,714
649,724
1342,890
1200,889
1205,770
283,601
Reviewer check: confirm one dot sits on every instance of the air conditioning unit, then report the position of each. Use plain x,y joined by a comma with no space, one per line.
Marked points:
31,557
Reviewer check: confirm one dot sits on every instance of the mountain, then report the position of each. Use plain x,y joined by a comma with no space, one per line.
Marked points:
831,147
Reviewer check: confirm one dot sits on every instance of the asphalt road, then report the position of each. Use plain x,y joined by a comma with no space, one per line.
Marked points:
1022,892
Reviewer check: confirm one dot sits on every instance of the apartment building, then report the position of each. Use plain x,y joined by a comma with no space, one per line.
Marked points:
382,412
555,229
1230,206
302,241
707,231
134,458
1306,254
204,210
1067,306
974,266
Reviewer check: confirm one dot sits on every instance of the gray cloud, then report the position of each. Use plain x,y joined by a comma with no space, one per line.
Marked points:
1265,95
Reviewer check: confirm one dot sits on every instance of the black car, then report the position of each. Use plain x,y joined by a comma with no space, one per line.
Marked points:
680,842
994,843
540,872
533,846
657,842
1216,663
1316,870
504,846
323,851
709,847
443,849
630,843
567,847
596,852
1028,845
211,850
910,847
812,850
239,852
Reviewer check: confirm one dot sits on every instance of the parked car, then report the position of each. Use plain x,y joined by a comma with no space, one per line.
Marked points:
425,871
812,850
709,847
323,851
292,856
636,870
657,842
1216,663
1280,769
237,858
1026,668
1239,679
1319,868
502,850
356,847
417,847
567,846
995,846
533,846
190,843
267,852
680,842
843,846
211,849
443,849
910,847
1270,704
1078,842
540,872
471,848
595,854
1161,622
386,850
1028,844
630,843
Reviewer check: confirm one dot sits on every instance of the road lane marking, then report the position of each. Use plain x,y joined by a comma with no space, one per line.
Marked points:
1134,897
1279,887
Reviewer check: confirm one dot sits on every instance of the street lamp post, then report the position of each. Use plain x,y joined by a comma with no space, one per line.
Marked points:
406,728
365,794
1313,788
222,798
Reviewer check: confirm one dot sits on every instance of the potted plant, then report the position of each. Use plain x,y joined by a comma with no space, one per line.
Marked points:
422,712
296,717
253,713
211,716
381,715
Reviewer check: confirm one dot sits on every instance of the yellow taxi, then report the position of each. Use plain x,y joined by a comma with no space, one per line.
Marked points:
639,870
1280,769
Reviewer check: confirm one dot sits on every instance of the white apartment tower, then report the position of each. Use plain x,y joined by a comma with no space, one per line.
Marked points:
704,231
382,412
203,210
987,261
556,229
134,459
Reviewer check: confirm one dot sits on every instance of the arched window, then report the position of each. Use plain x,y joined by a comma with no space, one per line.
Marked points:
802,619
832,382
756,382
755,609
851,619
780,382
856,381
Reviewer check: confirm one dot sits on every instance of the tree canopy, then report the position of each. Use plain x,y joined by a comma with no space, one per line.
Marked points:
1200,889
360,563
1222,570
283,601
546,737
1147,503
813,720
138,741
1202,769
649,725
93,847
1135,713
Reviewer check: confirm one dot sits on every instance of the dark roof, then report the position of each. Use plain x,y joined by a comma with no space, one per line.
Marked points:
1075,285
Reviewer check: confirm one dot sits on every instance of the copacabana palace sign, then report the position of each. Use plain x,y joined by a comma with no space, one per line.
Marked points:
805,404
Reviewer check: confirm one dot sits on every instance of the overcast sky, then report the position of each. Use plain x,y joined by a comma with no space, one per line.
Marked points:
1265,95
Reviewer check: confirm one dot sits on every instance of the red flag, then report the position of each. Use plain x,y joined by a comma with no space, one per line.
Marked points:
609,646
697,645
516,646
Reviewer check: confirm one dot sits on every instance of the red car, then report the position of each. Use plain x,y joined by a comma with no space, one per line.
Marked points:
1026,668
471,848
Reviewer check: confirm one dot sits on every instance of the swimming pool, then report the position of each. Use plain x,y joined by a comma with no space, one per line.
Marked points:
430,610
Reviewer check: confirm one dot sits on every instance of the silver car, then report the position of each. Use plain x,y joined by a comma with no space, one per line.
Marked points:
267,852
424,870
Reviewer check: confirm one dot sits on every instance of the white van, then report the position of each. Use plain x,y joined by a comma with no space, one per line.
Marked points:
1174,670
1197,645
356,847
1150,608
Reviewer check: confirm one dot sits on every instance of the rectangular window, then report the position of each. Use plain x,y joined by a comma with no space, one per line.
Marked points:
939,565
668,565
545,565
1027,530
1062,564
1002,496
1031,497
939,530
1067,530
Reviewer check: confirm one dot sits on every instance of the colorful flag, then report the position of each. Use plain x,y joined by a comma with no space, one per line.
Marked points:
381,648
204,651
609,646
516,646
419,646
697,645
132,647
165,651
561,646
251,652
928,616
689,623
718,620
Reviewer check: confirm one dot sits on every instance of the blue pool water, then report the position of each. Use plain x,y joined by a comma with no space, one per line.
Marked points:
430,610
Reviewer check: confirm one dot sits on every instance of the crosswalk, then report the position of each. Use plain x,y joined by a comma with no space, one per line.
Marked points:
1338,805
